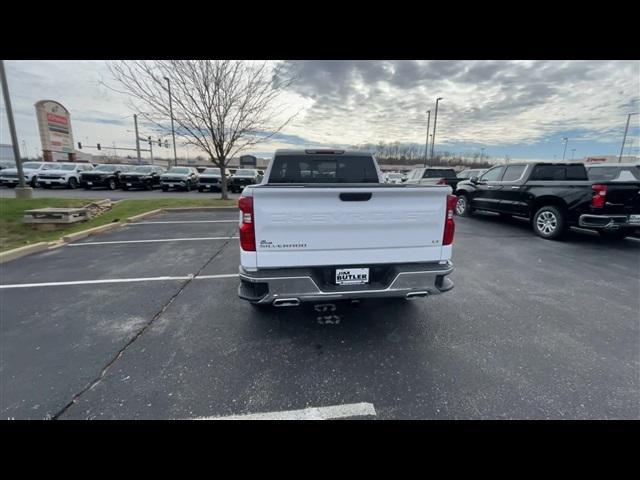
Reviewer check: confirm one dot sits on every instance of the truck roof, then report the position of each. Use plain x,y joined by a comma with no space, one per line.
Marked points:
323,151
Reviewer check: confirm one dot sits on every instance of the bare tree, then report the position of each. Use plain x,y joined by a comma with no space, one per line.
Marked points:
222,107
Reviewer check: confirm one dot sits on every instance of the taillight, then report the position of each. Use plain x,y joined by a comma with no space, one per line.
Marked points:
247,231
599,195
442,181
449,224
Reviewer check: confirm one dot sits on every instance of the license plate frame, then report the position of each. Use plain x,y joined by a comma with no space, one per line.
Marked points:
634,219
352,276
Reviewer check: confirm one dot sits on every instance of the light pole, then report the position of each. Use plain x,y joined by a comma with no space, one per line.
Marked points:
566,140
135,123
435,121
481,154
426,147
173,133
626,129
22,191
573,151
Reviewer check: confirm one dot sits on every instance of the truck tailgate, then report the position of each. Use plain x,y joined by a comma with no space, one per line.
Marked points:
622,198
309,226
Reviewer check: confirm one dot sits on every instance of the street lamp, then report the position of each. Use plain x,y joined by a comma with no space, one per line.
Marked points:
626,129
481,154
573,151
426,147
566,140
435,121
173,133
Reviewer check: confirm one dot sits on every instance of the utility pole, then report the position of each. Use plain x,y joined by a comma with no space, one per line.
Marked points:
573,151
151,149
426,147
624,139
135,122
22,191
173,133
566,140
435,121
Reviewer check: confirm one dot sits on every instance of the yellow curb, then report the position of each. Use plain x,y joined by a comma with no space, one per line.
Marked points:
23,251
143,215
85,233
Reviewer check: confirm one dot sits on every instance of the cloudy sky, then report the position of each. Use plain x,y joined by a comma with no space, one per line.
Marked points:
518,108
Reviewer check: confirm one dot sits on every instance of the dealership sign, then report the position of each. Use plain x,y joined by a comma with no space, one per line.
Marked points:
54,123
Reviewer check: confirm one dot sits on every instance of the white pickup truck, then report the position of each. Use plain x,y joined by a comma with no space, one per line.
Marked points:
323,226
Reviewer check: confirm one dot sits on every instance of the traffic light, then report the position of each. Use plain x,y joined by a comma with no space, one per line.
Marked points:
79,145
159,142
166,144
99,148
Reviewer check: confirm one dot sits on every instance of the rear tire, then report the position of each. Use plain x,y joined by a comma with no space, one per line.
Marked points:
549,223
463,208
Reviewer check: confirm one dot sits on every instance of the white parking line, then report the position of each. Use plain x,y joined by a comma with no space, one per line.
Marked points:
312,413
185,221
151,241
117,280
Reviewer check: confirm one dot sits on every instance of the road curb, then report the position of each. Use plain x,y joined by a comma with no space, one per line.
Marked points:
197,209
23,251
143,215
90,231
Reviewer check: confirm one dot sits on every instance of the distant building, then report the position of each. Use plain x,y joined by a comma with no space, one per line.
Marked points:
6,152
612,159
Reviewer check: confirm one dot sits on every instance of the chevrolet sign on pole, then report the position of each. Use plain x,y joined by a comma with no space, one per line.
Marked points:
54,123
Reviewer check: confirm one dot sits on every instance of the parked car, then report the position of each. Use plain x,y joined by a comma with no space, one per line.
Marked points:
243,177
433,176
305,238
182,178
141,176
614,172
210,179
107,176
467,174
393,177
4,164
553,196
63,175
9,176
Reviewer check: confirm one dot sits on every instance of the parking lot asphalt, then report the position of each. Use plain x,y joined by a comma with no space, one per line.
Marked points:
533,329
6,192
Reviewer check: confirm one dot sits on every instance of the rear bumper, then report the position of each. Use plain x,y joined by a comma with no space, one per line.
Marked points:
606,222
295,285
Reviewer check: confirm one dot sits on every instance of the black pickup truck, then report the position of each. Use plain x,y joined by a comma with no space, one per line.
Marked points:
553,196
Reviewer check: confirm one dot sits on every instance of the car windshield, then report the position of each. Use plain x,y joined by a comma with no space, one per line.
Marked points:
32,165
245,173
179,170
212,171
142,169
105,168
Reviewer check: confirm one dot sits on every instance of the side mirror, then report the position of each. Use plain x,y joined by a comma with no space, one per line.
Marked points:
474,180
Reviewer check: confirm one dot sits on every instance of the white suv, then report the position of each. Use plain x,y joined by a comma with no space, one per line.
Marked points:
63,175
9,176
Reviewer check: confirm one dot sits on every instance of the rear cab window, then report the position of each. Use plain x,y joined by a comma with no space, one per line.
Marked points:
559,172
323,169
439,173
